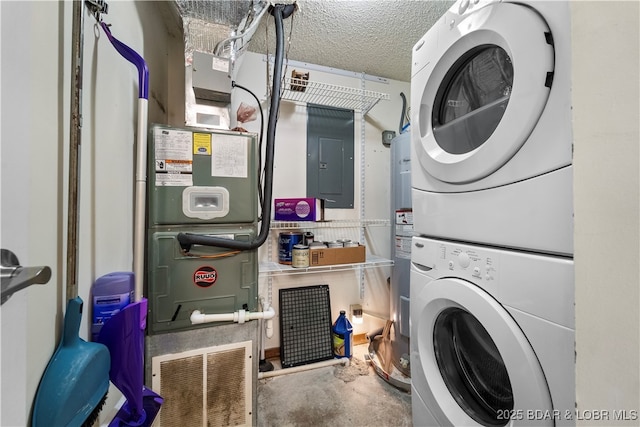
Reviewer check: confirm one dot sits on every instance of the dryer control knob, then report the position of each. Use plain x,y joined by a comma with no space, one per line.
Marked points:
463,259
463,6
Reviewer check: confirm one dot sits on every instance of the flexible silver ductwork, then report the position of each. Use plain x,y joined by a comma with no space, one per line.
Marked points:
216,34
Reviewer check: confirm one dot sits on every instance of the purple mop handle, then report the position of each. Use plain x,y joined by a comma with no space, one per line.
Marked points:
133,57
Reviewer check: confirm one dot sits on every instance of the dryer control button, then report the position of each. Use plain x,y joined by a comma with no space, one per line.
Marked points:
451,265
463,259
476,271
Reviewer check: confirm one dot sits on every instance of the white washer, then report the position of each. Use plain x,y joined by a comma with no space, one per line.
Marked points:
491,126
492,336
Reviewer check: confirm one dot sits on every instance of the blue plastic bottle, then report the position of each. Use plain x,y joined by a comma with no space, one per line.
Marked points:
342,333
110,294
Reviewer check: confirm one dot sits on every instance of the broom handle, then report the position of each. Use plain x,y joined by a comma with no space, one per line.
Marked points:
140,199
75,133
141,158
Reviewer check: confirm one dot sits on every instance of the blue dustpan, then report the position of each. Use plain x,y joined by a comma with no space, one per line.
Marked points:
76,379
123,335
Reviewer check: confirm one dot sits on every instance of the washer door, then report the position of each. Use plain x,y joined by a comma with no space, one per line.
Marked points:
479,100
478,368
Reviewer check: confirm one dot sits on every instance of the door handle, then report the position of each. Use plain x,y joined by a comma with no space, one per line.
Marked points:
14,277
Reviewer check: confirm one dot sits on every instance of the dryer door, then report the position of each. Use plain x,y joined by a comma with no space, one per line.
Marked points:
483,88
476,365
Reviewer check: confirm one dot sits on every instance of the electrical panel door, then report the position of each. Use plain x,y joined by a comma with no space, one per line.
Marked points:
330,154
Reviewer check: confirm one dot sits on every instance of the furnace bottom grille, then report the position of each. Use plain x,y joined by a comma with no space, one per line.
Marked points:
205,387
305,325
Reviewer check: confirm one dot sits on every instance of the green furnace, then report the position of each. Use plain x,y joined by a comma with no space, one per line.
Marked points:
202,176
201,181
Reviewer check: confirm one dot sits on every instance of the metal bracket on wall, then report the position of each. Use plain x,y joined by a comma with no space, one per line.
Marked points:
97,7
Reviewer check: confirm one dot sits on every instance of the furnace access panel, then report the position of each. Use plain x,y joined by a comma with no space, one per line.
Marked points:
202,176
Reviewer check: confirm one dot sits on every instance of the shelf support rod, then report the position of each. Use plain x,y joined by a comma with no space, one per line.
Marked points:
362,178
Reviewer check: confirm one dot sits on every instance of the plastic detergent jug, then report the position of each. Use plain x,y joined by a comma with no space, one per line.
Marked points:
110,294
342,333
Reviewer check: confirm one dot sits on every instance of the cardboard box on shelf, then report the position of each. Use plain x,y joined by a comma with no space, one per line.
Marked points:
333,256
298,209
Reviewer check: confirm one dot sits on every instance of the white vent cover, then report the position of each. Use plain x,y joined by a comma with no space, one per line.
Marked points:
205,387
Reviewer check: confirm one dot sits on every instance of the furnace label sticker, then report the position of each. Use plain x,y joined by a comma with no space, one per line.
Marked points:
205,277
230,156
202,143
173,157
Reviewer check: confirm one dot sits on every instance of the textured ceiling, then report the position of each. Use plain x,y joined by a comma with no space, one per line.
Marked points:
365,36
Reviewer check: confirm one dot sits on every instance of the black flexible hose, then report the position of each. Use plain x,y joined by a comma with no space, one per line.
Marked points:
188,239
404,112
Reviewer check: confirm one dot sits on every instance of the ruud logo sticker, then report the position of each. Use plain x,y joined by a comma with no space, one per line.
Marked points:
205,276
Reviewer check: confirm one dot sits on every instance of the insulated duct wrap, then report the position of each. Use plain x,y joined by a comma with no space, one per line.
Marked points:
203,36
224,12
207,24
216,33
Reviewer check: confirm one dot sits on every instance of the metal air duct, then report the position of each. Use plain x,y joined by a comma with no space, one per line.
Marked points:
216,33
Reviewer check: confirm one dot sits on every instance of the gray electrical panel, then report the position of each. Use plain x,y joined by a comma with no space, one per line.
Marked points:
330,154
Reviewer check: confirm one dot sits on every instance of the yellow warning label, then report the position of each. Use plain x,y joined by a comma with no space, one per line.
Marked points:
202,143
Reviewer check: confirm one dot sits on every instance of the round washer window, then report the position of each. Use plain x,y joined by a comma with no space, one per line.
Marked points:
472,367
472,99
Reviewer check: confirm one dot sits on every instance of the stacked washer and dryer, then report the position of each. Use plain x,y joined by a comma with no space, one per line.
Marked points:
492,278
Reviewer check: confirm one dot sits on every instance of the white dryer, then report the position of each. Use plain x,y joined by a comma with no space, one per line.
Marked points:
491,126
492,336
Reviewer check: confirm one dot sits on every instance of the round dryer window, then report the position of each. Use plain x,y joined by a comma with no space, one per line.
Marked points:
481,95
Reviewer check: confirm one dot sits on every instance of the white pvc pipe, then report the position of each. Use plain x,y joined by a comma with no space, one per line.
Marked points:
341,361
239,316
269,322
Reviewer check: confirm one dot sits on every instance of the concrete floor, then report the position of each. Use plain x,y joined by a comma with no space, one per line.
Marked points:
330,396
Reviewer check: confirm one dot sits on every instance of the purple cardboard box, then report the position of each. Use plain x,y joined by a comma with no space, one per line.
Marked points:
298,209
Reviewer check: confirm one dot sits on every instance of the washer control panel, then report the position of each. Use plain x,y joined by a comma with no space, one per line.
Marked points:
459,260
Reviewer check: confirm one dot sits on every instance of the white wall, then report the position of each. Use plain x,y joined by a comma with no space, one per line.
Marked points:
36,52
606,194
